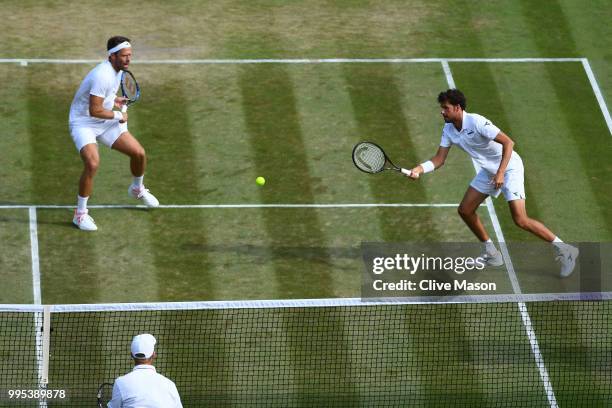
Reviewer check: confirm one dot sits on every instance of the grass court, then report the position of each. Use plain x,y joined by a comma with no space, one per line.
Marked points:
210,127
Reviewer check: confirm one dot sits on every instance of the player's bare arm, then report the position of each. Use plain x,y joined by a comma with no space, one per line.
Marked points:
437,161
507,147
97,114
96,109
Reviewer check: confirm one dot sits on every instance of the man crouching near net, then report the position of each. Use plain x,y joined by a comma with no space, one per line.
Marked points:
92,120
501,171
143,386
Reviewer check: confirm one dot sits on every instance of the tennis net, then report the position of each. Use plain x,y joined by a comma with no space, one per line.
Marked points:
334,352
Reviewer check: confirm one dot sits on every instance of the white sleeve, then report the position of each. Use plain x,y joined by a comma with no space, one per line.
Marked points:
99,86
116,402
445,141
486,128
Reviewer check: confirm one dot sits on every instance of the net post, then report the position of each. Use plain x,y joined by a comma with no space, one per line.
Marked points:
43,337
44,374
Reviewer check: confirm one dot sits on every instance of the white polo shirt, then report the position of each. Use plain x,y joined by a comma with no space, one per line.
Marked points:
102,81
144,388
476,139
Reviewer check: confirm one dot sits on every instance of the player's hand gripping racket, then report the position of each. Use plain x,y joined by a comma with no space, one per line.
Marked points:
371,158
105,394
129,89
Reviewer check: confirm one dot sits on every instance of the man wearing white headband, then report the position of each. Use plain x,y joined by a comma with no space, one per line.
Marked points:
92,120
143,386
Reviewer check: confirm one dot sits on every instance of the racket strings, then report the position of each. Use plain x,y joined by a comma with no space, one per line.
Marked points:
129,87
370,158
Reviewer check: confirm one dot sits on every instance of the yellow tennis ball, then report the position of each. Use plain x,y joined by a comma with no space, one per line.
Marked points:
260,180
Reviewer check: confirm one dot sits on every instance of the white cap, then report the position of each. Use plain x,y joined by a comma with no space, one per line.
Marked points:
143,346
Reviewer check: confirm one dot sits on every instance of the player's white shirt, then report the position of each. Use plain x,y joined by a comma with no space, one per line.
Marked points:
144,388
102,81
476,139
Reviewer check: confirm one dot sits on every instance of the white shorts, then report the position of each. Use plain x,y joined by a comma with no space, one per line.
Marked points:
513,188
106,133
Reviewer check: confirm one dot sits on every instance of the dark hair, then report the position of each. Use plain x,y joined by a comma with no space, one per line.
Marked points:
114,41
452,96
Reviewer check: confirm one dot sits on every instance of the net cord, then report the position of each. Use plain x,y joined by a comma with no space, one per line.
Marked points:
302,303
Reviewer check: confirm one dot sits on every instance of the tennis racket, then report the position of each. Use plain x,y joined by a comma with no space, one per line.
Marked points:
129,89
371,158
105,394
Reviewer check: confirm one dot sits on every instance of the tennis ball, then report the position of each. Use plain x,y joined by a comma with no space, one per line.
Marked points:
260,180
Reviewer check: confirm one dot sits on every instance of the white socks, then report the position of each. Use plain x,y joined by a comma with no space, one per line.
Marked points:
82,201
137,181
82,204
558,243
490,246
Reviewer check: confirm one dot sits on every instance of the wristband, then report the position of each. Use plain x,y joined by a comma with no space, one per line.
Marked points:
428,166
118,115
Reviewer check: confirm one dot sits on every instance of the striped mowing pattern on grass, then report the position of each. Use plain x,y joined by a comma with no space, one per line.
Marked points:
357,82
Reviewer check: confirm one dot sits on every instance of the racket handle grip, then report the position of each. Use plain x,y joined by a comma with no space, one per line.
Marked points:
406,171
124,108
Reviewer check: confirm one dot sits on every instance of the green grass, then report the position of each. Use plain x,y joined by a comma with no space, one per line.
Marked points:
575,342
295,125
206,259
209,130
18,366
15,257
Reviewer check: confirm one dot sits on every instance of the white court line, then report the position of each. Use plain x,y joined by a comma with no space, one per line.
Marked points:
34,255
25,61
36,292
449,76
600,99
340,205
533,341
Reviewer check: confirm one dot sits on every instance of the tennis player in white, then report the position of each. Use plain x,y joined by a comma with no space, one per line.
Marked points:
501,171
143,387
92,119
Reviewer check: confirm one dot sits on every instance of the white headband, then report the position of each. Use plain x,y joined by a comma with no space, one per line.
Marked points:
119,47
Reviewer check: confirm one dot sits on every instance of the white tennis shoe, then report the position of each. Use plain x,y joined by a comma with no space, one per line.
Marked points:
567,256
84,221
143,194
492,257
